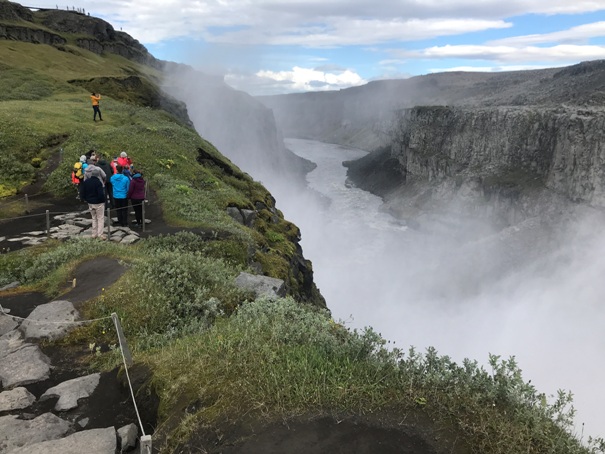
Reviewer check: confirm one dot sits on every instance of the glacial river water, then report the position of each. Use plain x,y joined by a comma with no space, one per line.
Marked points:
425,289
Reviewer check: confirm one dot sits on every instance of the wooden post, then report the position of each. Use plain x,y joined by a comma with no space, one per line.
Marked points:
47,224
26,204
122,338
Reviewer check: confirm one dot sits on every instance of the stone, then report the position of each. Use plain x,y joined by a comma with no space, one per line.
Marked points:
20,434
7,324
16,399
26,364
70,391
37,233
261,285
127,436
11,285
129,239
50,321
83,422
10,342
95,441
249,217
235,213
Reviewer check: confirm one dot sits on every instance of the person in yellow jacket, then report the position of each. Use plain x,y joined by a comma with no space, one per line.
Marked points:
95,98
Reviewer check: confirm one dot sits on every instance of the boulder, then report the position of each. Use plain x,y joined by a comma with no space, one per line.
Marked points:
16,399
19,434
50,321
95,441
261,285
70,391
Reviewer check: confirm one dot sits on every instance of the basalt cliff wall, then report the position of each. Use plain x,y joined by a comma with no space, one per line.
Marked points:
507,162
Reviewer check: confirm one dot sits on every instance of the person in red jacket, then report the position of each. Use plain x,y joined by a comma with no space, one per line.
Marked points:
136,194
125,161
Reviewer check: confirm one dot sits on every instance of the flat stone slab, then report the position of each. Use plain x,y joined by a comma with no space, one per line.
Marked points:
19,434
7,324
16,399
261,285
95,441
50,321
27,364
70,391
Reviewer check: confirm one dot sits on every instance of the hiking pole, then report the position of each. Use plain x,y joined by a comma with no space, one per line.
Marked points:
143,213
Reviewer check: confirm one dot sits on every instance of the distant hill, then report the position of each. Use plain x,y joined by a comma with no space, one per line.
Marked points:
360,116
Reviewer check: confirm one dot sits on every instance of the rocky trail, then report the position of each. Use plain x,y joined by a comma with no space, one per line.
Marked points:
49,402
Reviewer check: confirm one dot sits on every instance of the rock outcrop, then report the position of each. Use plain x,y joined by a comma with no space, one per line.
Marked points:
519,159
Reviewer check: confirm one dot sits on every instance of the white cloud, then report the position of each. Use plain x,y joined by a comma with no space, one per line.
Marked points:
563,52
347,31
574,34
296,80
315,22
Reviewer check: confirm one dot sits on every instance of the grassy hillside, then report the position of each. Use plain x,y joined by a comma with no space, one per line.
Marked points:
216,357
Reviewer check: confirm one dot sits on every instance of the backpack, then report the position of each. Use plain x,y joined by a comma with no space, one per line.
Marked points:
78,171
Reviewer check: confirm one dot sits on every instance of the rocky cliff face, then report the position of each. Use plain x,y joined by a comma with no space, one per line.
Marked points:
511,162
47,26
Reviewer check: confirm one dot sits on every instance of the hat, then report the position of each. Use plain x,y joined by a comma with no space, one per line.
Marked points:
123,155
83,158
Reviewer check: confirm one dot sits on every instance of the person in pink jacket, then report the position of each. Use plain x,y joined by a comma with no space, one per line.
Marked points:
136,194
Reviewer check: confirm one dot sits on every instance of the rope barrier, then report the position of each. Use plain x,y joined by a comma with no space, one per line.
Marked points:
54,213
43,322
123,348
136,409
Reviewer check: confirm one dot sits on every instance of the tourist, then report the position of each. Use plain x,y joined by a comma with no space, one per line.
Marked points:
120,184
95,98
93,193
136,194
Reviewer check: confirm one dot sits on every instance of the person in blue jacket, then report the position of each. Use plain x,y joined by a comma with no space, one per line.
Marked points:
120,184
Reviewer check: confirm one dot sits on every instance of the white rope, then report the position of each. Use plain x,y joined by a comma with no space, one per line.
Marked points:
136,409
42,322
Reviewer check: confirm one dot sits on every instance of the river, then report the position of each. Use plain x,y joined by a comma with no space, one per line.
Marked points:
426,290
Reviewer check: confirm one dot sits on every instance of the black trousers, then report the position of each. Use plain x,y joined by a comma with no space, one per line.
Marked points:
96,111
137,205
122,210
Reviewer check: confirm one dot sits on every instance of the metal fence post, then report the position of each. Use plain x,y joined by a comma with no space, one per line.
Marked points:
47,223
145,444
108,223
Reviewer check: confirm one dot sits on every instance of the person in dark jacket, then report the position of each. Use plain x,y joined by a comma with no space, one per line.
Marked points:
120,184
136,194
106,167
93,193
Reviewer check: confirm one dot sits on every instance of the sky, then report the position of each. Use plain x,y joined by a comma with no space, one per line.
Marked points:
285,46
